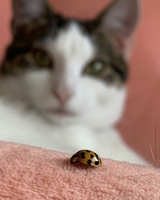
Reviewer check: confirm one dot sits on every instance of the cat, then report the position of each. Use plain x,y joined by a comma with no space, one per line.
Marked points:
63,81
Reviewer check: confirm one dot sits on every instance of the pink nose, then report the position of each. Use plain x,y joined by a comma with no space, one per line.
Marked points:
63,95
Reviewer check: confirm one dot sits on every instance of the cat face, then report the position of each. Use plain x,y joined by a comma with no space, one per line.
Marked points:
69,71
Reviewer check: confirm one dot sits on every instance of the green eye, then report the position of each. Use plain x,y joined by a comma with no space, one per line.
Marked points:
94,67
42,59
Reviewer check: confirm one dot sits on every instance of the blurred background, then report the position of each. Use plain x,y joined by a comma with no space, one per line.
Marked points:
140,124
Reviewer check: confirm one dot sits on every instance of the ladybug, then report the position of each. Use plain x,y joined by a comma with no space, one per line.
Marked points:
86,157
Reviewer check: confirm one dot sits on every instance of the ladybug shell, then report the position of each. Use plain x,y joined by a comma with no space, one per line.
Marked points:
87,157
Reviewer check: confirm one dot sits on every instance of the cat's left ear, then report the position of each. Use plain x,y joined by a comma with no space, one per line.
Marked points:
121,19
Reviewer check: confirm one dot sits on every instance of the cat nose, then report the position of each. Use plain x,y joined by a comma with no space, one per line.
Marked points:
63,95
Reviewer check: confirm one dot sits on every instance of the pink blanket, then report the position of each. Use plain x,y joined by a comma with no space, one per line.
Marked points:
34,173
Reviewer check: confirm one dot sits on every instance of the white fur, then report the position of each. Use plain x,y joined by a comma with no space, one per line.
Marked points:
96,106
26,128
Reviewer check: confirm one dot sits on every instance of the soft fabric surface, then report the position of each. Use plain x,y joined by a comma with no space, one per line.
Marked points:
34,173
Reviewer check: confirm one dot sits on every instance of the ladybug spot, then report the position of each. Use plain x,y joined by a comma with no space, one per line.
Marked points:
89,162
96,162
92,156
83,155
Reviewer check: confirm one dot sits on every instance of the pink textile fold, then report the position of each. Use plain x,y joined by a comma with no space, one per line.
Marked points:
34,173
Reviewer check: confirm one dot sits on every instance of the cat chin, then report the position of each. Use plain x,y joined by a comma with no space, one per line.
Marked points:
59,117
93,120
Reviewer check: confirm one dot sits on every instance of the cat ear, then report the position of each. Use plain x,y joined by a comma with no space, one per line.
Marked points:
26,10
121,20
28,15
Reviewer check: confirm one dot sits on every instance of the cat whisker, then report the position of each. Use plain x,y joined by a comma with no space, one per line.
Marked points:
156,162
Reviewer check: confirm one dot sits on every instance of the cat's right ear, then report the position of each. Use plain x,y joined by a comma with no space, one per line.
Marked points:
25,11
29,14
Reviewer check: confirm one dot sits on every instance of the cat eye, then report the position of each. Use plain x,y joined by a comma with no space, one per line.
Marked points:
42,59
95,67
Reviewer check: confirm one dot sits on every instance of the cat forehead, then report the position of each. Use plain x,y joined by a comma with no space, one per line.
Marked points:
72,43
